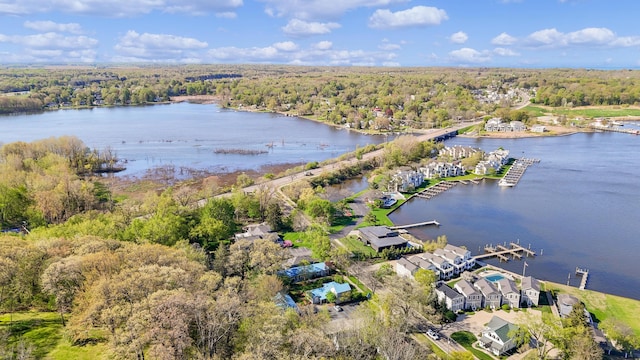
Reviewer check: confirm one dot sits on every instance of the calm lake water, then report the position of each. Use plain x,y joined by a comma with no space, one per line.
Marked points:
187,135
580,206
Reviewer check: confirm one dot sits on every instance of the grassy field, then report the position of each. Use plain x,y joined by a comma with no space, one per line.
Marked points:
604,306
43,333
584,112
356,246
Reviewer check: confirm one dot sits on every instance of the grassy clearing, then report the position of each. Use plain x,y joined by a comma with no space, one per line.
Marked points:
466,340
584,112
43,332
356,246
605,306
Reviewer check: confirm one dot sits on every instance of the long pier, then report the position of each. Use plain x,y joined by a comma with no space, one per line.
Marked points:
516,171
436,189
616,129
408,226
585,277
502,252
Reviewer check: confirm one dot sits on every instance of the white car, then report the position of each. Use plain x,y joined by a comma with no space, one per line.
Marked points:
432,334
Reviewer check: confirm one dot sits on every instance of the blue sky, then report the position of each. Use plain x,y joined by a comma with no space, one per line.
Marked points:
492,33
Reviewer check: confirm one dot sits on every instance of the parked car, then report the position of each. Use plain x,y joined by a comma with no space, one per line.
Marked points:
433,334
337,308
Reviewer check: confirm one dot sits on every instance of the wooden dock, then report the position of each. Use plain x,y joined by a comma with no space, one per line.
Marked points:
502,252
436,189
585,276
516,171
408,226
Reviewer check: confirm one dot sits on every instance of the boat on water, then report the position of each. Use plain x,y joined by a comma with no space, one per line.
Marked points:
504,182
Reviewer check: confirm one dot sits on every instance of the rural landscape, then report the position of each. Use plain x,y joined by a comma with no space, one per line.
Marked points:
279,262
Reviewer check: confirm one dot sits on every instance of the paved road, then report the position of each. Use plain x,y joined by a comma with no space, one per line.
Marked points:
280,182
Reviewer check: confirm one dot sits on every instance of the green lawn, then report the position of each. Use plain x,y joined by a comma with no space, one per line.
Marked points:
466,340
584,112
44,333
356,246
605,306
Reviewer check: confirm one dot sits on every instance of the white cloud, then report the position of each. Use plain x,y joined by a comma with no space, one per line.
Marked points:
319,9
157,47
321,53
553,38
504,39
50,26
468,55
117,8
297,27
323,45
459,38
50,41
505,52
416,16
227,15
286,46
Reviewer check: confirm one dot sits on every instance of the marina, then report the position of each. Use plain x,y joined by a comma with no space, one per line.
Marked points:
436,189
515,172
502,252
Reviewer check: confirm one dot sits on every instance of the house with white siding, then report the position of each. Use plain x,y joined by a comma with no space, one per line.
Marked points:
472,296
530,291
453,300
509,292
490,295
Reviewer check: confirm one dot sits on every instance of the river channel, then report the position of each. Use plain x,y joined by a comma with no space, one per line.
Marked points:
578,207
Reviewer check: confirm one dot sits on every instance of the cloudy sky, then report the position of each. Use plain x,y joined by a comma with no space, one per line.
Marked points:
511,33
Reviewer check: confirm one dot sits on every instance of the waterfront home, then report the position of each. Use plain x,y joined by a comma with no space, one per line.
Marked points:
494,160
490,295
459,265
538,128
497,336
341,291
381,237
426,265
469,260
497,125
443,266
441,170
517,126
453,300
472,297
306,272
405,181
510,293
458,152
530,291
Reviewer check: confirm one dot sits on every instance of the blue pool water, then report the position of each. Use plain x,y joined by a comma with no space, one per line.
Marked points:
494,278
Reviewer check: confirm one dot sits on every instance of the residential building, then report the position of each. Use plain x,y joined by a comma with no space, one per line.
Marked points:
306,272
490,295
472,296
341,291
441,170
538,128
284,301
510,293
406,268
443,266
458,152
530,291
469,260
453,300
459,265
496,336
425,264
381,237
258,231
405,181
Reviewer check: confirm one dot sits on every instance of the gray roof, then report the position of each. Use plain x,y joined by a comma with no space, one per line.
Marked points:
507,286
448,292
456,249
451,257
485,287
465,288
407,264
530,283
377,232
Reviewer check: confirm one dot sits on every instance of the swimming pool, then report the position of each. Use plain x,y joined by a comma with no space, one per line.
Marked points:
494,278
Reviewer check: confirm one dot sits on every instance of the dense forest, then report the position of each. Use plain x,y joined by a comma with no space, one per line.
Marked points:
414,97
